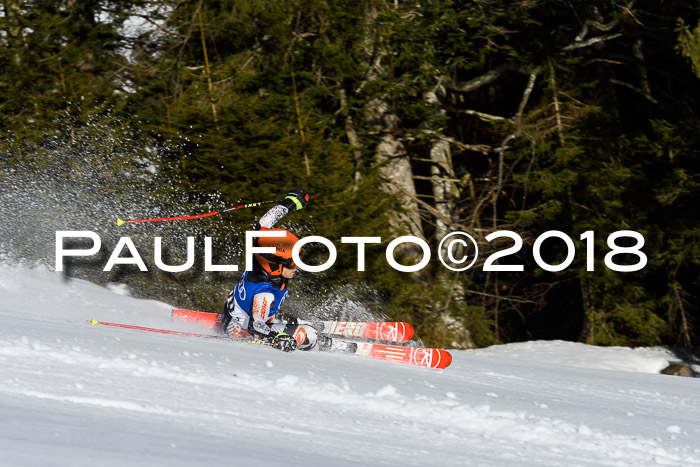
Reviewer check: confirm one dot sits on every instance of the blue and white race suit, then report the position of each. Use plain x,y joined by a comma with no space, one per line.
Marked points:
252,304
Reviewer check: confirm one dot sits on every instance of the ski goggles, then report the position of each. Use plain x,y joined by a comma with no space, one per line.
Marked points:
283,261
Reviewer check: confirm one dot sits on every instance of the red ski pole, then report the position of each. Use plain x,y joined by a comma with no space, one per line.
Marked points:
95,322
121,222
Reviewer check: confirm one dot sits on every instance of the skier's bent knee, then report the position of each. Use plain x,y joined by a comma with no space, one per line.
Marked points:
306,336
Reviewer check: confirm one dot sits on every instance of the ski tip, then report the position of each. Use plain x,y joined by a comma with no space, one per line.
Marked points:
445,359
408,332
120,222
94,322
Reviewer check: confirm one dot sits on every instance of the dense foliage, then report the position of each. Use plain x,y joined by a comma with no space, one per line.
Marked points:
398,117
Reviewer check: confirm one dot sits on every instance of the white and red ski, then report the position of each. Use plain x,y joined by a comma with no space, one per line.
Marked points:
391,331
419,356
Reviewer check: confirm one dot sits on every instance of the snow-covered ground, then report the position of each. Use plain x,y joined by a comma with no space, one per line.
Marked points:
642,359
75,394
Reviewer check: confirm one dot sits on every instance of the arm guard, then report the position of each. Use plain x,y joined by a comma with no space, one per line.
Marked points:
260,314
271,217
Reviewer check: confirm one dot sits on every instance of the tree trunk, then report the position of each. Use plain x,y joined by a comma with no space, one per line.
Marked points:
351,134
13,12
391,152
446,194
398,177
444,190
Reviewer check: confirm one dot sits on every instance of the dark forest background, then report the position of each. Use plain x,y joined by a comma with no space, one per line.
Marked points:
399,117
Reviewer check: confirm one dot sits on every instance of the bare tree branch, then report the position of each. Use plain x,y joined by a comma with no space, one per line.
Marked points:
483,116
474,84
635,89
591,41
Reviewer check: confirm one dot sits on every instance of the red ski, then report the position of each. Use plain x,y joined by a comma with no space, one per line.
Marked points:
430,358
391,331
200,317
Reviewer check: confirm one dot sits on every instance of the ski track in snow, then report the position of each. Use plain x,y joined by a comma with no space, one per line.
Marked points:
75,394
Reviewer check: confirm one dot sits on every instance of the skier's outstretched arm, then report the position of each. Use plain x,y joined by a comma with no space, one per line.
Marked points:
294,201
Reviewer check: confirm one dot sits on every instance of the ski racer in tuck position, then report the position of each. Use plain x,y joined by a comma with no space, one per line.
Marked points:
260,293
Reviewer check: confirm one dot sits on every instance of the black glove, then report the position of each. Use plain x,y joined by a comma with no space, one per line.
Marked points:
287,318
291,320
295,200
284,342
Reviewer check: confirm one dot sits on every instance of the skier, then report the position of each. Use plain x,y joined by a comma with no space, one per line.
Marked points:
260,293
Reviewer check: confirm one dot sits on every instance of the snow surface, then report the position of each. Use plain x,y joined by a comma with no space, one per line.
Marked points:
76,394
642,359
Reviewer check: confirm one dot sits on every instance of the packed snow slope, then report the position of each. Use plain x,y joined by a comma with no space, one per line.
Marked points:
75,394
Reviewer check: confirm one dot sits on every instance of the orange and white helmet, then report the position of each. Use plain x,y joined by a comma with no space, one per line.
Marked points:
272,262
